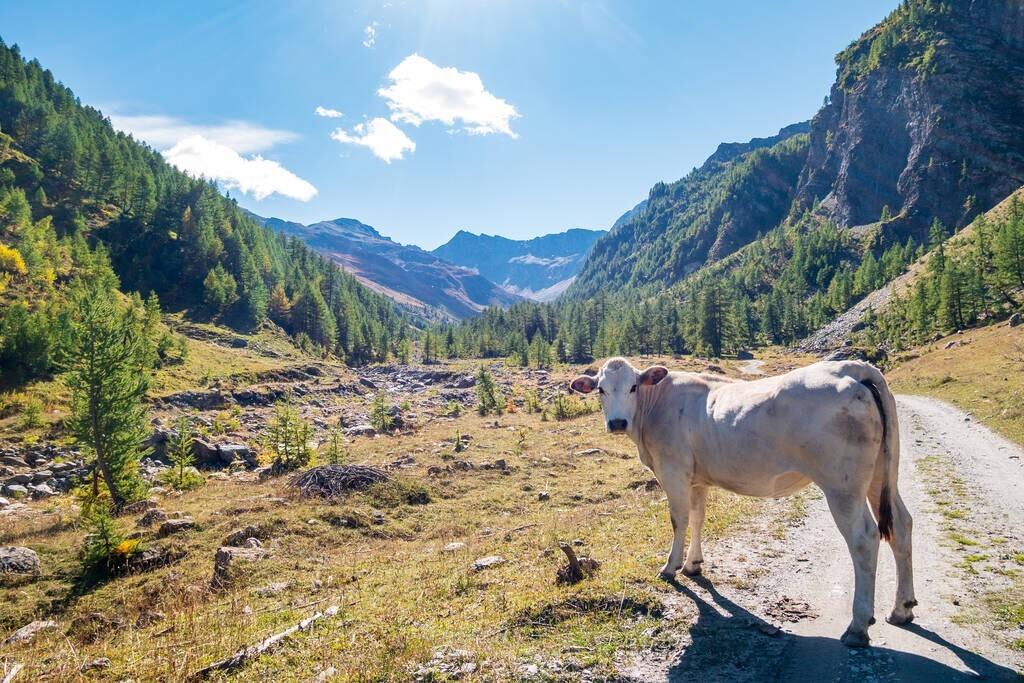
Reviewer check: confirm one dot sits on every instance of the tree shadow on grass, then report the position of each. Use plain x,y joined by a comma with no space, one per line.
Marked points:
730,643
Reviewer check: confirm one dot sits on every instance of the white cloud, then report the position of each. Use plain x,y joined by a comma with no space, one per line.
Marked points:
165,131
328,113
383,138
422,91
370,33
202,157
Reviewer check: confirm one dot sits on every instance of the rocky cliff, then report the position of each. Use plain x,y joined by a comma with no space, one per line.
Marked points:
926,118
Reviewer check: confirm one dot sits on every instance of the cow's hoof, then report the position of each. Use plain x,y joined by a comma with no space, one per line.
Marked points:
667,575
693,570
855,638
900,618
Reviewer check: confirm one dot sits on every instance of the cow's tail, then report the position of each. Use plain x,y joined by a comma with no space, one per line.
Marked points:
888,460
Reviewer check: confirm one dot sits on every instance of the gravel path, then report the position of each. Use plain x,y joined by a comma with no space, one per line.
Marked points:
802,581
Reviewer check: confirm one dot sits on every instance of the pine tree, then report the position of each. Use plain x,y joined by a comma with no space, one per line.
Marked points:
183,475
104,354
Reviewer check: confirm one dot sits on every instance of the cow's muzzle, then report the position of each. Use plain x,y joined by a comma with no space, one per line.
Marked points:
617,426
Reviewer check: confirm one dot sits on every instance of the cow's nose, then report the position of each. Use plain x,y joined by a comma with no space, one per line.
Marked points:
616,425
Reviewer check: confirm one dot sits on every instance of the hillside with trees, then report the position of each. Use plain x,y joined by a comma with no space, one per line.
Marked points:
79,199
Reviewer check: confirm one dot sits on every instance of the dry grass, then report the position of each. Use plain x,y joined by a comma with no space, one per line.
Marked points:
983,376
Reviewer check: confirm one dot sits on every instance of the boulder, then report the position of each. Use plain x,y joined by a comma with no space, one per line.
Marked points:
1015,320
41,491
206,453
39,476
18,560
238,537
152,517
12,461
27,633
360,430
20,479
173,526
15,490
227,563
236,452
487,562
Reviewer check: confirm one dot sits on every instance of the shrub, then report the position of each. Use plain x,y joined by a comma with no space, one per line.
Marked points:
182,475
489,399
31,414
380,417
452,409
334,451
568,407
106,549
289,438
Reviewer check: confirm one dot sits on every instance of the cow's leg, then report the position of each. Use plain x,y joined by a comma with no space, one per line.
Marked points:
902,529
694,556
853,517
677,489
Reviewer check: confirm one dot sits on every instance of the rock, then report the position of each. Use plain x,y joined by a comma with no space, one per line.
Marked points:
173,526
4,502
152,517
39,476
950,345
18,560
15,490
273,588
1015,320
360,430
543,496
588,451
463,382
20,479
206,453
366,382
40,491
238,537
716,369
154,556
12,461
99,663
28,632
744,355
252,543
236,452
453,547
139,506
487,562
148,618
239,343
226,563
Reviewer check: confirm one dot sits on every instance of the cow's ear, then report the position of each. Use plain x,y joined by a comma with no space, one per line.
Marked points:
652,375
584,384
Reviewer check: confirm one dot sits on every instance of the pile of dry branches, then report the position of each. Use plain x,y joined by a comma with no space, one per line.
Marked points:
335,481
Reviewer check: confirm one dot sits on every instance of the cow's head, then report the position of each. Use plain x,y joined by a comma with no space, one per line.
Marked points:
617,384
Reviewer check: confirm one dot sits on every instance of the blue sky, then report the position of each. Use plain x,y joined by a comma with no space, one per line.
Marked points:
527,116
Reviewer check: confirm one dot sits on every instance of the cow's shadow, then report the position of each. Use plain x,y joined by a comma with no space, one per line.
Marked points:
732,643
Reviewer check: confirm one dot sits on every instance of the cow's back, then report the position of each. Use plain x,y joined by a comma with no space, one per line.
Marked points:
804,421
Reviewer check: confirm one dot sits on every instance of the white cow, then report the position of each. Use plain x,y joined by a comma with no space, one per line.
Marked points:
832,423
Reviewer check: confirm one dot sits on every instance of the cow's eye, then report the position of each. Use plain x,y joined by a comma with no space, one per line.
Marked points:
632,389
600,390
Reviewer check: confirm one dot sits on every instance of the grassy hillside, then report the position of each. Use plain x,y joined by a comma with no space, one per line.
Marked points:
980,371
78,197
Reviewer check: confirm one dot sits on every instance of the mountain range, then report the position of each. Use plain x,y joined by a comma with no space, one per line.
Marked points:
431,287
539,269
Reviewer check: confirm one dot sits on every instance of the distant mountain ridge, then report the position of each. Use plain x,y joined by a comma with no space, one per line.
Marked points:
540,268
430,286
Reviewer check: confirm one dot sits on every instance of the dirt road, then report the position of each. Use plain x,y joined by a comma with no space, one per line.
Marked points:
965,487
